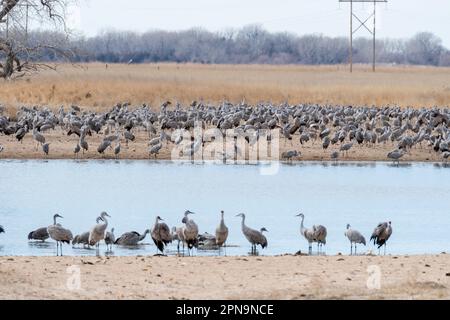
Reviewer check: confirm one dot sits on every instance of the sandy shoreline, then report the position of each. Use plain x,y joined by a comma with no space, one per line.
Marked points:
62,147
280,277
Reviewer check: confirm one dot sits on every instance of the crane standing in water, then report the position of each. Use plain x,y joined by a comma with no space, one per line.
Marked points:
253,236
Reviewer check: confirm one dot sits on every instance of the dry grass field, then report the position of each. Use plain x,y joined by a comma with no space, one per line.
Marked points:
96,87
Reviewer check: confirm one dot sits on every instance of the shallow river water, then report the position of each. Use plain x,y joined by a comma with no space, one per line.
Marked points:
415,197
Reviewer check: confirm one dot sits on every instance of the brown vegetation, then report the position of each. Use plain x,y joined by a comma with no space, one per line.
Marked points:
98,87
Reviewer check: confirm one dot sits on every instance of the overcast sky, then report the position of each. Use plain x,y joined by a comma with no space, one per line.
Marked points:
397,18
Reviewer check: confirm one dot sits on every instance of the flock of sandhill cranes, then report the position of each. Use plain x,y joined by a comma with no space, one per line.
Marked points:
343,126
188,235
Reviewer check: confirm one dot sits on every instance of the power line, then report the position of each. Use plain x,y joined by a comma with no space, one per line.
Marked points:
362,24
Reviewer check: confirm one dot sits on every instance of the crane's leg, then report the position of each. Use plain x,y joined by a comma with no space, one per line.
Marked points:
385,248
355,249
351,248
310,249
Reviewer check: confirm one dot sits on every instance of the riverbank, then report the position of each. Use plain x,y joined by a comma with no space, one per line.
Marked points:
280,277
62,147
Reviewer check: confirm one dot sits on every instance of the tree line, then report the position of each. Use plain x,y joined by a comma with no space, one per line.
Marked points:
250,44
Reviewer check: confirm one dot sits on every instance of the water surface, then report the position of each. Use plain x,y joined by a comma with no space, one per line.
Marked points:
415,197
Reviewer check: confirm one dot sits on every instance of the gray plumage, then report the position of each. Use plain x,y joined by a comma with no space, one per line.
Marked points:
253,236
59,234
221,231
346,147
381,234
288,155
39,234
46,148
161,234
110,238
317,233
82,239
38,137
97,232
155,149
77,149
190,230
117,150
395,155
131,238
103,146
355,237
178,235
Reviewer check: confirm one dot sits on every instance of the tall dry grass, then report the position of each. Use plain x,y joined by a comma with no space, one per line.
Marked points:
98,87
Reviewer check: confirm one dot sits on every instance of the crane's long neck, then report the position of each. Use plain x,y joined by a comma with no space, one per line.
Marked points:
54,220
222,222
302,227
142,236
156,221
243,222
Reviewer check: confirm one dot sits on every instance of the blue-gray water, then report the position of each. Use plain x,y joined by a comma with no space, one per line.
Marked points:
414,197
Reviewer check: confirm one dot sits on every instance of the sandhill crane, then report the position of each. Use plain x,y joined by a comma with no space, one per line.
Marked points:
155,149
320,236
46,148
75,240
288,155
84,145
103,146
381,234
117,150
82,239
346,147
39,138
77,150
39,234
308,234
395,155
221,232
128,137
109,239
334,155
59,234
161,235
178,235
355,237
253,236
97,232
190,231
131,238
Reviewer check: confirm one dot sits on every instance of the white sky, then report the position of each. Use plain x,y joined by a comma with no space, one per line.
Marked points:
399,18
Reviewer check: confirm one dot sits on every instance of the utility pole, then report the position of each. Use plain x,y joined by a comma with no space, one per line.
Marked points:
362,24
24,4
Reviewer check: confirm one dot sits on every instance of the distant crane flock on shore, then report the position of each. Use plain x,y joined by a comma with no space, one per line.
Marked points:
345,127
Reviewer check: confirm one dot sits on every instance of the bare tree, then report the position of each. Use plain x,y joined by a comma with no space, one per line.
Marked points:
18,55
